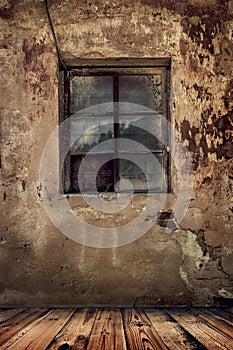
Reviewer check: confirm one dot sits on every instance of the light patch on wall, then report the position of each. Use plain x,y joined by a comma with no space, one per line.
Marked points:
183,275
224,293
190,247
4,4
3,240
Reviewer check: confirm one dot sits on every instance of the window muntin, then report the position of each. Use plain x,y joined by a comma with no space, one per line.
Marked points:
89,127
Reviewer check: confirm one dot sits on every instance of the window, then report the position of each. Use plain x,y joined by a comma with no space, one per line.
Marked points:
115,114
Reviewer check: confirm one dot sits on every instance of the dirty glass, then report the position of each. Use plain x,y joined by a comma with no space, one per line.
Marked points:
143,174
87,132
97,174
146,130
88,91
145,90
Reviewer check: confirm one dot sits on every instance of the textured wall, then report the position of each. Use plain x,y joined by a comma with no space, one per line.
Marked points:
193,264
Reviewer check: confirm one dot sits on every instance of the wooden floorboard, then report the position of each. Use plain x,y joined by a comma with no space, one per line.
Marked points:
140,334
172,334
76,332
13,326
41,335
107,332
206,335
9,313
116,328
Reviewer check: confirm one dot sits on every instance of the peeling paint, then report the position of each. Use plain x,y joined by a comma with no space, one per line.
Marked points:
190,247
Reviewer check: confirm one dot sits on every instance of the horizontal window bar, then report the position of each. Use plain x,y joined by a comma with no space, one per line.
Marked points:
80,114
118,62
160,151
119,71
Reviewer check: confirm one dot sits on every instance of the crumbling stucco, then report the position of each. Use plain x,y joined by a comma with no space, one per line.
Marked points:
189,264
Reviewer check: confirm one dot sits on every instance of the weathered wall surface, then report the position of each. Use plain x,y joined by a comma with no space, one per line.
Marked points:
193,264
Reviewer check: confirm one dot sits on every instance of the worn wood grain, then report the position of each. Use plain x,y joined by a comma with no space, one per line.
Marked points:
25,330
140,334
108,331
218,324
9,313
208,336
222,314
118,62
116,329
170,332
13,326
76,332
40,336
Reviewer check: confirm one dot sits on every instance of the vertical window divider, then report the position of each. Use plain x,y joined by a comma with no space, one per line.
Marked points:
168,128
66,138
116,129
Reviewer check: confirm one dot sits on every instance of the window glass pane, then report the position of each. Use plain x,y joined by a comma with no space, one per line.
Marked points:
145,90
94,177
143,173
145,130
87,91
87,132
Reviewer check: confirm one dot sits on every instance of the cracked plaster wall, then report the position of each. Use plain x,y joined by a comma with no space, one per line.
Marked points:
192,264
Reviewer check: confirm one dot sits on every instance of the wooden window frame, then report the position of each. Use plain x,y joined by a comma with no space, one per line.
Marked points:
115,68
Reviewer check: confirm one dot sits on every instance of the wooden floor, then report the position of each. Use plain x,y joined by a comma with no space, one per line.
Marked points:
115,328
